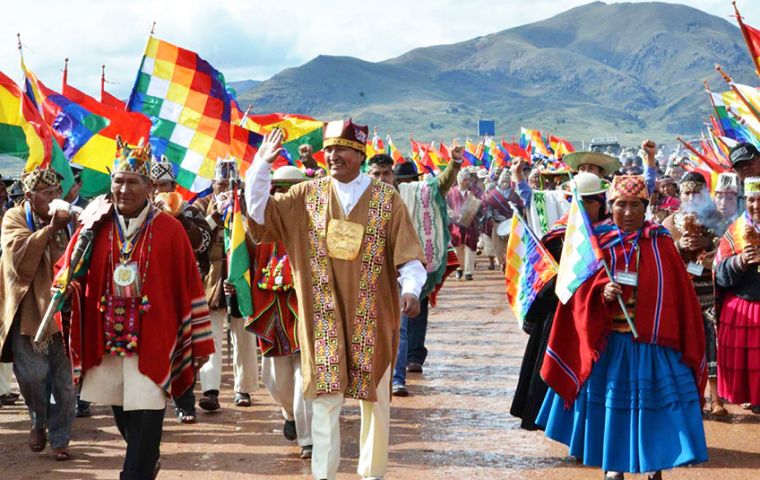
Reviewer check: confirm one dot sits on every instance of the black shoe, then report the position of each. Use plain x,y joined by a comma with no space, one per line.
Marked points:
8,399
459,275
82,410
242,400
306,452
414,367
289,430
468,276
613,476
655,476
209,401
400,391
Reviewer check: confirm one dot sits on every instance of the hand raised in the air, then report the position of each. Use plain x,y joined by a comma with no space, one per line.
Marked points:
271,145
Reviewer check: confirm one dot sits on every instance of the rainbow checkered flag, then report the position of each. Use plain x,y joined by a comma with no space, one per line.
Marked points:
529,267
581,255
191,110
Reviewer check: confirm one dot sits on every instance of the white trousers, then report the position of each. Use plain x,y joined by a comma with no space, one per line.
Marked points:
373,436
466,258
282,378
499,246
487,245
244,357
6,377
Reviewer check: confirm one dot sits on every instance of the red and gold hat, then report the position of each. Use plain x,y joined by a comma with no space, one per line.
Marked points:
628,186
345,133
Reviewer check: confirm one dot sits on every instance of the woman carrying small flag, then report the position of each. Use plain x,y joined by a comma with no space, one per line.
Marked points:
626,399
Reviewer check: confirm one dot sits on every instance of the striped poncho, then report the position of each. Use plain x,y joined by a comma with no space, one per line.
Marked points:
174,325
427,209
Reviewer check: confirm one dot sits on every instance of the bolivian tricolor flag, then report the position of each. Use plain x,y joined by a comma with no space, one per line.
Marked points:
25,135
238,260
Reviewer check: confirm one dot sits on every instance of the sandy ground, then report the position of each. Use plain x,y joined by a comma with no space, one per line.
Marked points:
456,424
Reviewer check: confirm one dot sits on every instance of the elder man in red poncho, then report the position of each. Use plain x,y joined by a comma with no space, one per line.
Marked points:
139,329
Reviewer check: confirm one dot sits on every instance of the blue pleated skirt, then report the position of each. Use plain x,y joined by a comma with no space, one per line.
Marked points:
639,411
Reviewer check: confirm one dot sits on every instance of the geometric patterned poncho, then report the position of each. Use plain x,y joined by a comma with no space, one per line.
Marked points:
349,311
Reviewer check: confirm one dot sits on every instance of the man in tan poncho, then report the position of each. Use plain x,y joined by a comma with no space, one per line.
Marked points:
32,241
351,243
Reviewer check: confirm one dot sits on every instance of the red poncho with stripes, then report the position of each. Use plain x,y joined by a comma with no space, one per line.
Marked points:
174,330
275,308
667,312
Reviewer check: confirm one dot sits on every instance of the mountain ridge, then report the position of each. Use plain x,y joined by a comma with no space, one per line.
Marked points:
624,69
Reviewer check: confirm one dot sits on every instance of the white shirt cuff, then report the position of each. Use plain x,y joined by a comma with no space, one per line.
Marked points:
257,186
412,277
210,220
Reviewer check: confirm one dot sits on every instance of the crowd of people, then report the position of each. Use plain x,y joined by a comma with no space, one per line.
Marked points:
344,264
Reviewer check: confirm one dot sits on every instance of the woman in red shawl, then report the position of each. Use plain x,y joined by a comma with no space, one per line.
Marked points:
737,275
621,403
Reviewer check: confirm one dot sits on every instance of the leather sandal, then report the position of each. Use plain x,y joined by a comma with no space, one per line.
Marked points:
719,411
61,454
185,416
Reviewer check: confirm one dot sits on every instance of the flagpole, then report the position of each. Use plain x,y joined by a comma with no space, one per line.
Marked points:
745,34
620,301
102,81
731,84
715,109
65,74
576,198
720,139
245,115
693,150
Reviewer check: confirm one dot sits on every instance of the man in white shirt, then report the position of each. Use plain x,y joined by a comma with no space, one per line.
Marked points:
351,245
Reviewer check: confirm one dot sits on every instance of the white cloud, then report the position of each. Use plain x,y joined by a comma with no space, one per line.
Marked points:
256,39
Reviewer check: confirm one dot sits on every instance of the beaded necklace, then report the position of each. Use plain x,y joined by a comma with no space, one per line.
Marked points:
125,255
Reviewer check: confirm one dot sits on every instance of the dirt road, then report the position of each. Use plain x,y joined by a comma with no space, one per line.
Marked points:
456,424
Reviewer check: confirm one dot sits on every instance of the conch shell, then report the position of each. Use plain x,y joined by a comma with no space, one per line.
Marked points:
171,202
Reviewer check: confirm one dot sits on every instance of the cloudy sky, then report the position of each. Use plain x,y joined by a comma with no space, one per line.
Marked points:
255,39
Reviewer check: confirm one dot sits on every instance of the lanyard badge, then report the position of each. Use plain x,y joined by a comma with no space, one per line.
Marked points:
627,277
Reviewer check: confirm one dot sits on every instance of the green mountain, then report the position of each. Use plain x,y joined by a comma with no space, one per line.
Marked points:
630,70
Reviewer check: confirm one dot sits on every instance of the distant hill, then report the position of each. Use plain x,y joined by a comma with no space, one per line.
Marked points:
244,86
627,69
11,167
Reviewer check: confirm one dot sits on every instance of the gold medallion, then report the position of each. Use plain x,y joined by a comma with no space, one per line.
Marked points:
344,239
